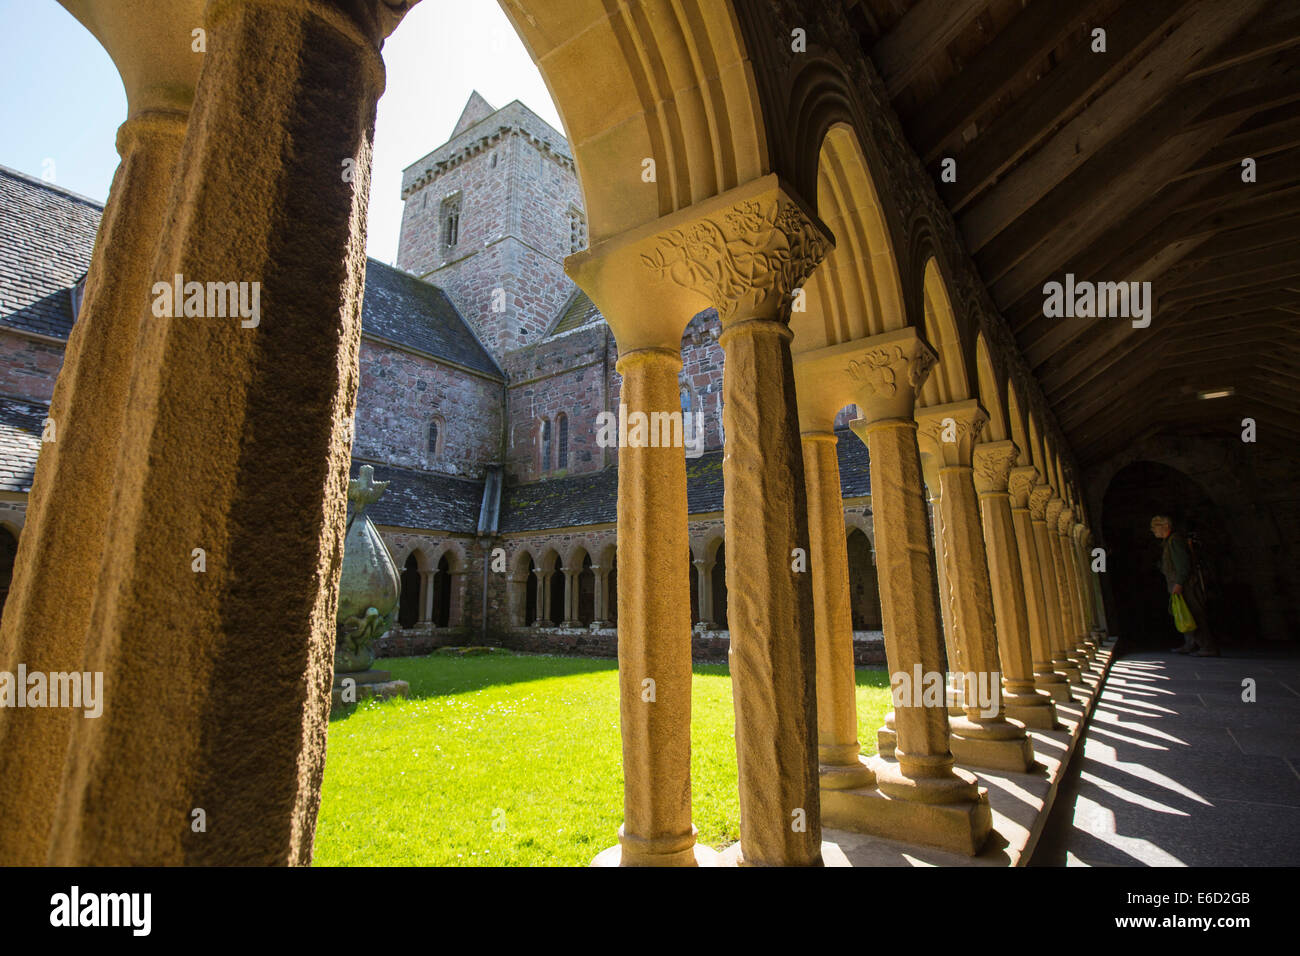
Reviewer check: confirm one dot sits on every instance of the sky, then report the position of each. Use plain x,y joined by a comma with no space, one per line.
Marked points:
61,100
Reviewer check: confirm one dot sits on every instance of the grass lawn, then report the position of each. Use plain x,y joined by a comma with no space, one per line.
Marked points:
512,759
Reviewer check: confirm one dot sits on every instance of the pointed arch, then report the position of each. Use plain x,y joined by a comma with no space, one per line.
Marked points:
990,393
947,382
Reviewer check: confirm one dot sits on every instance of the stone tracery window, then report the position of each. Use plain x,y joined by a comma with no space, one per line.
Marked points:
436,437
451,221
545,439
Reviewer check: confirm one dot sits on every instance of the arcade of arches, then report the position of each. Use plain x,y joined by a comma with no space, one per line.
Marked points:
783,174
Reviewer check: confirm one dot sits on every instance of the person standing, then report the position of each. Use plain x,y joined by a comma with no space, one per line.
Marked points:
1177,566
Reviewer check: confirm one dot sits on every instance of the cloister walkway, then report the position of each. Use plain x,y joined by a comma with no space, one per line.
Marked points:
1177,769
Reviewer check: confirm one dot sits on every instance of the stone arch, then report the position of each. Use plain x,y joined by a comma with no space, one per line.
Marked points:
948,381
411,599
523,581
864,587
990,392
676,87
1019,426
1036,447
857,291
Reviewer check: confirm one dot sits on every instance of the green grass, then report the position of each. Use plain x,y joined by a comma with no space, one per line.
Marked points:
509,759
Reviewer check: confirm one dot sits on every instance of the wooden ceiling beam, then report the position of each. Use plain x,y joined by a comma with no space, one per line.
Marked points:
1057,96
925,30
1026,40
1129,98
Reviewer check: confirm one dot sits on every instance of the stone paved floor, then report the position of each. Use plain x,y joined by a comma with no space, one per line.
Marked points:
1177,770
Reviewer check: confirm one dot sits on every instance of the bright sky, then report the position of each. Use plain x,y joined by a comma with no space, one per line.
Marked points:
61,100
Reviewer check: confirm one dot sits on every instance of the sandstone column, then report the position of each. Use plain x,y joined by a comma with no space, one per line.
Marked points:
769,604
1068,558
1024,702
1069,593
648,314
1019,484
1083,580
1038,501
654,628
234,453
840,754
59,552
598,595
1064,609
920,797
983,737
704,575
571,596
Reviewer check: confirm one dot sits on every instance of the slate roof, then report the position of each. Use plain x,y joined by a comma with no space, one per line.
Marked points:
20,442
419,499
46,237
593,498
411,312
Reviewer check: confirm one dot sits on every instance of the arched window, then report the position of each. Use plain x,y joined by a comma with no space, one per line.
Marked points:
864,588
451,221
546,446
562,455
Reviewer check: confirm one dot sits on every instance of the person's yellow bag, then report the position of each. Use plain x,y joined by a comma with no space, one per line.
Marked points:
1183,619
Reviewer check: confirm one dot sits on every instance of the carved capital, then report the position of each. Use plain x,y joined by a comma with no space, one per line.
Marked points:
993,461
1038,498
1052,513
1020,483
948,432
880,375
1065,521
747,259
743,252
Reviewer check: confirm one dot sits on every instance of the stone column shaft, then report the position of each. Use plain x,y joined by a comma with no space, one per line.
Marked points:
59,552
838,749
769,605
1031,578
1023,700
654,628
1051,588
982,736
210,459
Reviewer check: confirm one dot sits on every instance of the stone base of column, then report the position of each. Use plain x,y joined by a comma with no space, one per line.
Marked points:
1037,710
1068,669
887,737
998,746
908,811
700,856
664,851
845,775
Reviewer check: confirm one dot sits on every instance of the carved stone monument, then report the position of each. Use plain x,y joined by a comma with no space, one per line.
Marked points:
369,588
